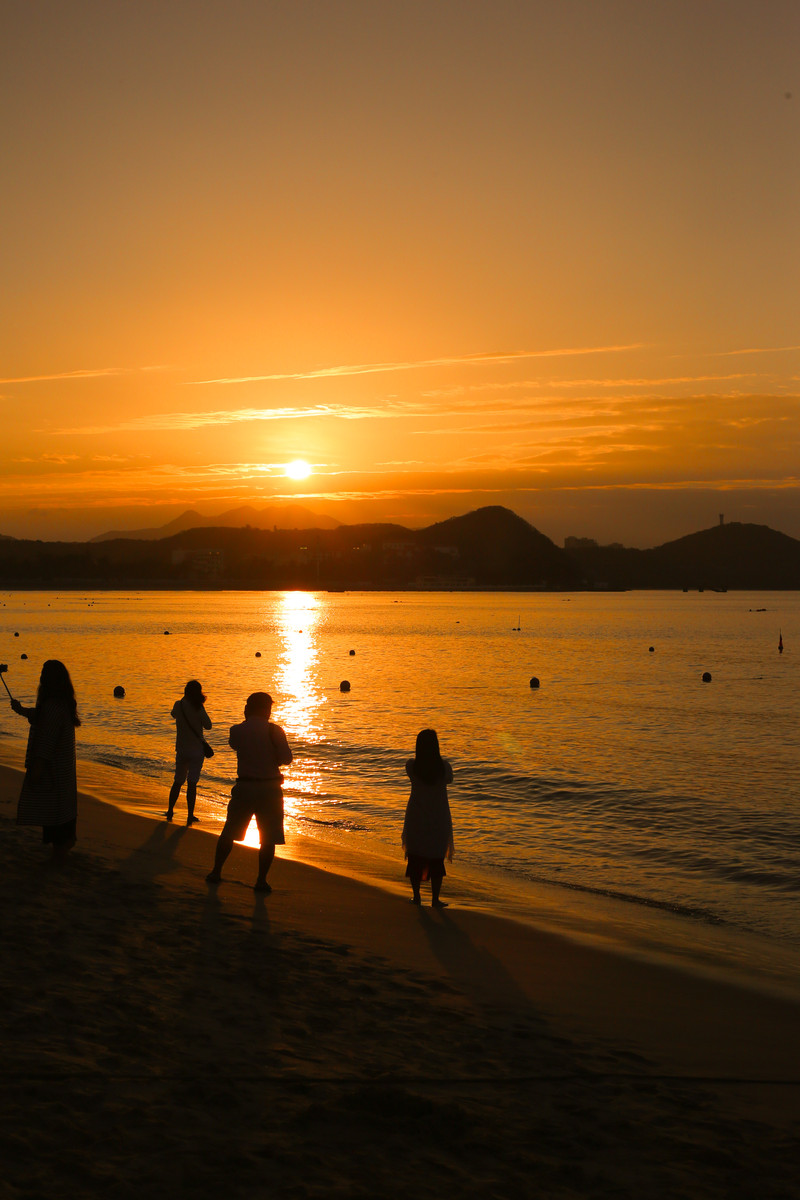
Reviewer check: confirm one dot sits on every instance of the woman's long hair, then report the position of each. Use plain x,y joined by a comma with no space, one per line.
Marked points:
428,764
56,685
194,694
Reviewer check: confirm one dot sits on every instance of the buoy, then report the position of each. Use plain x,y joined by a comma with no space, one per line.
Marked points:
652,649
16,635
119,691
166,633
534,682
23,656
706,677
344,686
258,654
352,652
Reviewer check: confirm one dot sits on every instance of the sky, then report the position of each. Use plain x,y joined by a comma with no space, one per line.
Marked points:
448,253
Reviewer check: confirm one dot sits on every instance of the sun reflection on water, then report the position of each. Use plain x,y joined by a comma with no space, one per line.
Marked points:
299,625
297,695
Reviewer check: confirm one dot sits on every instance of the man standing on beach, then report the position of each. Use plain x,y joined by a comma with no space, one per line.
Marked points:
261,750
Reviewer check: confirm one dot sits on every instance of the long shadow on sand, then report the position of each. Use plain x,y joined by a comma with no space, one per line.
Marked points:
477,972
156,855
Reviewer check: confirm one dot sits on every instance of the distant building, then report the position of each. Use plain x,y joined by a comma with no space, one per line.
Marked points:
399,549
206,563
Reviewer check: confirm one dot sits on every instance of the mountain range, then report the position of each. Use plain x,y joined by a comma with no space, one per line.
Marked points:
286,516
491,547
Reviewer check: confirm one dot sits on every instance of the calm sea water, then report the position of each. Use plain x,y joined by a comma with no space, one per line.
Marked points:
623,791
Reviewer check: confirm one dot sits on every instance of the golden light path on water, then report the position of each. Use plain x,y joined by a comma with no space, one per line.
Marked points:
298,617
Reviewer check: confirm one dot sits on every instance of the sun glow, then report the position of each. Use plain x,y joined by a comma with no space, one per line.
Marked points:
299,469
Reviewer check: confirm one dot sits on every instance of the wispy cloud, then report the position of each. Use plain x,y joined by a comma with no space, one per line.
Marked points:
753,350
416,364
536,384
89,373
175,421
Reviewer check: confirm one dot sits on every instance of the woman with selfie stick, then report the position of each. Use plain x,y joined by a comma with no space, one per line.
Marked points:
49,795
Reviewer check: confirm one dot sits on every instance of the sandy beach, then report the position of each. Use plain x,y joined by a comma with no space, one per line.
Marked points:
330,1040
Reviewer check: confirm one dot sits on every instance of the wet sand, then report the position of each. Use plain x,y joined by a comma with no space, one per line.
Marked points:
330,1040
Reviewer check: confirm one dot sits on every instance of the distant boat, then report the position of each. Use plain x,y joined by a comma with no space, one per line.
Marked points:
780,642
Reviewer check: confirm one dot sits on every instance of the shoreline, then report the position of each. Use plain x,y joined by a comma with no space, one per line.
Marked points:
164,1035
651,935
682,998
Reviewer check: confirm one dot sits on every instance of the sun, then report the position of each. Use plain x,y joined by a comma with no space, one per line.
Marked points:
299,469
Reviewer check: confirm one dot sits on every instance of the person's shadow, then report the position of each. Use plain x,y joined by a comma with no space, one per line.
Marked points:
476,971
156,855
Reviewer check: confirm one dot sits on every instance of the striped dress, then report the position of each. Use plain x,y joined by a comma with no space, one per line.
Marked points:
49,793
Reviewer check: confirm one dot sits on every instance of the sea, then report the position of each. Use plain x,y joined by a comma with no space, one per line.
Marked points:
626,765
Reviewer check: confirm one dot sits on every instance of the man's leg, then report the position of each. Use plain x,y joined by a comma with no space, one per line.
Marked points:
266,854
224,847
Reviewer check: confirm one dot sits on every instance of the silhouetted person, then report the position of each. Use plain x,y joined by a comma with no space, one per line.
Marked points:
49,795
428,827
190,719
261,750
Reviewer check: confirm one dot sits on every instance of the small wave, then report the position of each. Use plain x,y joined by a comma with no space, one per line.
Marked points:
350,826
694,912
127,762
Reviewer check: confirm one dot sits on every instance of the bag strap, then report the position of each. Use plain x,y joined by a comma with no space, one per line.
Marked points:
199,736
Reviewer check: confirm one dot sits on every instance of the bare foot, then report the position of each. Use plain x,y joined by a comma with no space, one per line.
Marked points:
416,900
213,877
438,904
261,885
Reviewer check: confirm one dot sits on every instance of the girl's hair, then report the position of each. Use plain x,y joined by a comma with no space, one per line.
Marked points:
194,693
428,762
55,684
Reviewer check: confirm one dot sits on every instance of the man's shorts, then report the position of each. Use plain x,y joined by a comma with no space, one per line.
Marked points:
262,799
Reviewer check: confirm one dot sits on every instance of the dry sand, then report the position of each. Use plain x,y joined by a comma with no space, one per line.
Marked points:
164,1038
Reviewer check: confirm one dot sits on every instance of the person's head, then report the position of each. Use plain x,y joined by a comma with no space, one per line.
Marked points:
194,693
258,704
427,756
56,685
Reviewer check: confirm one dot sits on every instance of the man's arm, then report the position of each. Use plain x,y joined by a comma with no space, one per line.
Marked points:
283,753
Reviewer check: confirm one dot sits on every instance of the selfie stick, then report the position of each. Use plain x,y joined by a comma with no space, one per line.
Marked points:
3,669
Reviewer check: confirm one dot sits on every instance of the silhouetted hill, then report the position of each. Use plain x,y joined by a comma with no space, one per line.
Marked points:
497,546
734,555
275,516
491,547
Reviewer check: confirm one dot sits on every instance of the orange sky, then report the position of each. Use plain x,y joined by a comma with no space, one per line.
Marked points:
451,254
